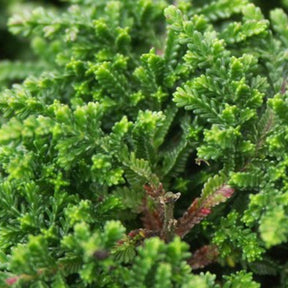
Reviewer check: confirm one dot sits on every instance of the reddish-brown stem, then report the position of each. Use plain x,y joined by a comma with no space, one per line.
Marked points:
203,257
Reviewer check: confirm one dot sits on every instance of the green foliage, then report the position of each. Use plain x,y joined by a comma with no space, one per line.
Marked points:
240,279
156,264
115,108
237,241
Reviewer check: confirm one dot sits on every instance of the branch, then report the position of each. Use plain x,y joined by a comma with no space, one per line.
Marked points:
201,208
203,257
159,217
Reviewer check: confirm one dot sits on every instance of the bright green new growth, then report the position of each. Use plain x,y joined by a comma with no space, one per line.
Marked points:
130,99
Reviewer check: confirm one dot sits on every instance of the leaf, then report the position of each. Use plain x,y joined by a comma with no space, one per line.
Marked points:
222,9
279,22
274,227
264,267
191,100
141,167
246,179
240,278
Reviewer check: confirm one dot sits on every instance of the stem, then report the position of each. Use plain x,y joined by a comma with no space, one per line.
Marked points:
168,229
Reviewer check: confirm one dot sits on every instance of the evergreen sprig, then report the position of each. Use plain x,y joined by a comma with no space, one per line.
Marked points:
144,141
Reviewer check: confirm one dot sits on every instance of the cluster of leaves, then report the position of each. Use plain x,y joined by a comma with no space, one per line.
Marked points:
130,99
14,48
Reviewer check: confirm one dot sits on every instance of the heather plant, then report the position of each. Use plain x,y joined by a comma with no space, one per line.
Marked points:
146,147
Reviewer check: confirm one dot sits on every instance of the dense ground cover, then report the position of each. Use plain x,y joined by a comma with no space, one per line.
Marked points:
143,143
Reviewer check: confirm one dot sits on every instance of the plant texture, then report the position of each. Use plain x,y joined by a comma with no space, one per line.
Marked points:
146,146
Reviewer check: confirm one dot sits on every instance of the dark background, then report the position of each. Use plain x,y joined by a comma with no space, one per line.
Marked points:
12,47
